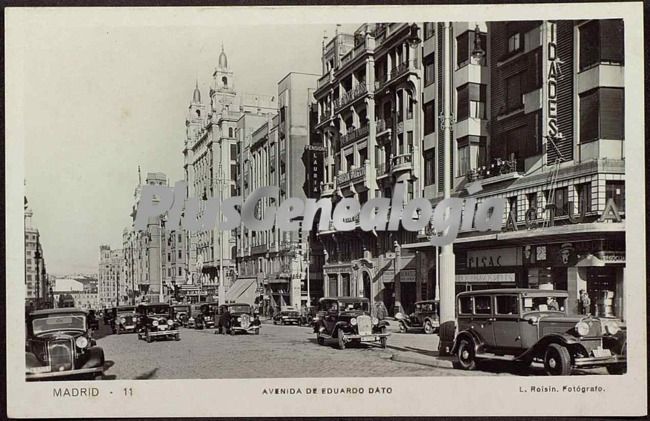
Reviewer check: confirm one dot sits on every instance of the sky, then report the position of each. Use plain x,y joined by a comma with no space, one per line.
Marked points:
101,100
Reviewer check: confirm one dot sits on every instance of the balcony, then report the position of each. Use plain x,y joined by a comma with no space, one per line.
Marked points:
351,96
382,170
327,189
353,135
357,51
325,80
498,167
401,163
396,73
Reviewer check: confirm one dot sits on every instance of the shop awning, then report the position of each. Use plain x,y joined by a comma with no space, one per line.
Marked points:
242,291
590,261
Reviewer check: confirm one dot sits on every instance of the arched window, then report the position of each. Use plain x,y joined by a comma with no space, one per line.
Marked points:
224,80
230,132
198,113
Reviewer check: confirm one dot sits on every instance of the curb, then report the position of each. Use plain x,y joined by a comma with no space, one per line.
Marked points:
408,357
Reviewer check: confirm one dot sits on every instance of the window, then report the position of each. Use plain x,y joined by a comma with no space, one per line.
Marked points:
615,189
512,205
465,305
180,254
561,201
532,201
514,98
463,160
602,114
482,304
169,257
429,29
514,43
429,167
507,304
429,70
180,271
471,101
180,238
583,193
601,41
462,49
429,118
233,152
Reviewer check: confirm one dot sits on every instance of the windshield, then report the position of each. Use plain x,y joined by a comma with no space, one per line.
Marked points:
158,310
351,306
239,309
56,322
544,303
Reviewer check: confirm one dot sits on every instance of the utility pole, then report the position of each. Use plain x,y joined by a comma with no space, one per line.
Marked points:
447,259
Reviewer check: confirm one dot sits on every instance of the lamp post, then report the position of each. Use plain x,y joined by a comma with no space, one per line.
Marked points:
447,258
161,296
220,182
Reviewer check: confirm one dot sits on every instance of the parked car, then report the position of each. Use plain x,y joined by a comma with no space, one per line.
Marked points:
124,319
206,316
287,317
156,320
182,314
347,319
308,316
195,321
59,345
426,317
108,316
233,318
526,325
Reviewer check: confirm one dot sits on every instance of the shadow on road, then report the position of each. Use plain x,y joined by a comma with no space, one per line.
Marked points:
147,375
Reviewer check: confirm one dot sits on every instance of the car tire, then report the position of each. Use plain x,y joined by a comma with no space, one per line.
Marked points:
402,328
617,369
320,339
177,337
557,360
257,331
466,354
428,327
339,337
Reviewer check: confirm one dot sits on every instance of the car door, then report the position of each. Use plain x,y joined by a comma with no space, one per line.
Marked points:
482,319
507,322
331,315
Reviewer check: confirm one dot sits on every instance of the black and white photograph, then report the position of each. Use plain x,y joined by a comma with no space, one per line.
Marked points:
350,210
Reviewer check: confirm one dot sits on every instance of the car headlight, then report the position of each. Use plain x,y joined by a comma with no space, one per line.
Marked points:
375,321
612,327
582,328
239,319
82,342
170,322
353,321
123,320
155,323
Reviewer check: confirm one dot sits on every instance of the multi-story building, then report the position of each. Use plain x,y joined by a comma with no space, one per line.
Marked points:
537,118
111,270
37,289
275,154
144,254
211,167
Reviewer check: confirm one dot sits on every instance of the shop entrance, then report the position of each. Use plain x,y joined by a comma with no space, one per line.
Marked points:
408,296
601,288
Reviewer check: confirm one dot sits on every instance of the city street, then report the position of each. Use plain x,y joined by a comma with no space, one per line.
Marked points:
278,351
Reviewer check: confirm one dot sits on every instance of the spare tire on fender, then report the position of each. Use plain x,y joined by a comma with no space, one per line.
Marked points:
446,333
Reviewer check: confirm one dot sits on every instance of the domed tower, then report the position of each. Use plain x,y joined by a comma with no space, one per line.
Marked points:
195,116
222,93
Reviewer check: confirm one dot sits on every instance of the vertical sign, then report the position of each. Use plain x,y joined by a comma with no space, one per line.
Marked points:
551,75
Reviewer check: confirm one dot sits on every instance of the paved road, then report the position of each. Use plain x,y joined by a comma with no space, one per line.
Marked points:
278,351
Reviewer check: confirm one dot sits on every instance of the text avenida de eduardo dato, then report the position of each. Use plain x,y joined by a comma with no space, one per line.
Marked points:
378,390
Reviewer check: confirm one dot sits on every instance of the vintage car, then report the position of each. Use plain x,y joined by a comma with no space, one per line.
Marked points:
181,314
156,320
93,321
347,319
124,319
287,317
108,316
205,319
195,321
59,345
425,317
233,318
308,316
526,325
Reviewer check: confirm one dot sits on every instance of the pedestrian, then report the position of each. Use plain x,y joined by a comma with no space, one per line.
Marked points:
380,310
225,321
585,303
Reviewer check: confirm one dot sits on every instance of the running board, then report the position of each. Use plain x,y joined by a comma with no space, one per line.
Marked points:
490,356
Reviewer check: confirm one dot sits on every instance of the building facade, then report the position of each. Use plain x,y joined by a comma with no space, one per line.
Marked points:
110,278
37,287
211,169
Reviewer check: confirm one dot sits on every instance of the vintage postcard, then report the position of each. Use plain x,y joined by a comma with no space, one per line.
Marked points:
325,211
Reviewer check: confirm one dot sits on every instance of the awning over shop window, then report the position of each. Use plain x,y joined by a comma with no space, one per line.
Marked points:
242,291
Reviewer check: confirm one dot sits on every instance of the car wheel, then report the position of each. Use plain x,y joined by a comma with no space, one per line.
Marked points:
617,369
402,328
177,337
466,356
341,342
320,339
557,361
257,331
428,327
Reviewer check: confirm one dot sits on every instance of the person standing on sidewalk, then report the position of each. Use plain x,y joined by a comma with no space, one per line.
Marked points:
585,303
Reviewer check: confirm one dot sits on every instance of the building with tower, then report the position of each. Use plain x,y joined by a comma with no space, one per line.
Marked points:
37,286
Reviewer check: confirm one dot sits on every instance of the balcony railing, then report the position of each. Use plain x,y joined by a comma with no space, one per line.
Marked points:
396,72
498,167
402,162
384,125
326,115
325,79
327,188
358,50
348,97
354,134
382,169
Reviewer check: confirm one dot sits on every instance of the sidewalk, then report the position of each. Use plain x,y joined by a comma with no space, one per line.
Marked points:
415,348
